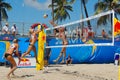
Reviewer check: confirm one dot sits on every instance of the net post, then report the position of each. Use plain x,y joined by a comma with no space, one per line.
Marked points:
113,16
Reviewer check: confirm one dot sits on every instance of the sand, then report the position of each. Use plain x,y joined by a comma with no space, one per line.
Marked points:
64,72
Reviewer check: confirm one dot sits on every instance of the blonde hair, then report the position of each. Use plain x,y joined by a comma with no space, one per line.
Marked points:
15,41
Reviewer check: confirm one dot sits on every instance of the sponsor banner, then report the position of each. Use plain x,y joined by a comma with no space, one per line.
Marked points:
27,62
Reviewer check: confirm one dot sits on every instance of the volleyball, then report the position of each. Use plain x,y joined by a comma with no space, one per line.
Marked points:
45,15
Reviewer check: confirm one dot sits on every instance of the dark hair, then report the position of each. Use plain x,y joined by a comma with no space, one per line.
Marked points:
56,30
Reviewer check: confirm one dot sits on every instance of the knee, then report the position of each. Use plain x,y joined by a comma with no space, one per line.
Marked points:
14,66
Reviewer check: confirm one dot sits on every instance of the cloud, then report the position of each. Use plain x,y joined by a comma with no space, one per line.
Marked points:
38,5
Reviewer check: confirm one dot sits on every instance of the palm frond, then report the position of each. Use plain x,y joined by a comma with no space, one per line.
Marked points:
102,20
68,8
6,6
4,14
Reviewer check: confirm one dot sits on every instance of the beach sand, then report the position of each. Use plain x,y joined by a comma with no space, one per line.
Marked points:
64,72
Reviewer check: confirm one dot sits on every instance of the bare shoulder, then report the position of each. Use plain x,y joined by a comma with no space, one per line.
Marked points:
16,44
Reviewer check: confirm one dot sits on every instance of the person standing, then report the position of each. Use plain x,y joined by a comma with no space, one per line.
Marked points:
5,29
14,30
8,56
47,55
116,58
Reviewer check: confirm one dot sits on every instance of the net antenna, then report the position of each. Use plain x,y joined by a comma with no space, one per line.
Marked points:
84,35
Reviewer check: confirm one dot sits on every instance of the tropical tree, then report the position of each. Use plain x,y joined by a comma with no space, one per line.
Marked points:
85,9
61,8
3,13
105,5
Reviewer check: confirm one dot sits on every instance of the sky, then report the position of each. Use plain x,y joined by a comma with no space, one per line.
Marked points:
32,11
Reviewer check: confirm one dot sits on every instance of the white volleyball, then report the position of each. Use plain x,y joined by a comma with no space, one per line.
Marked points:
45,16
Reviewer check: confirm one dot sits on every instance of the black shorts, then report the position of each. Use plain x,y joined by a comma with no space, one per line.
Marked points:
31,45
7,54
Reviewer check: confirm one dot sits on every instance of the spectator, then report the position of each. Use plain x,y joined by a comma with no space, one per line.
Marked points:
116,58
104,35
90,32
5,29
68,60
47,55
14,30
78,32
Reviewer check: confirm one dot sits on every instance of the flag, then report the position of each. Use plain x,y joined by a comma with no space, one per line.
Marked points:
40,55
116,27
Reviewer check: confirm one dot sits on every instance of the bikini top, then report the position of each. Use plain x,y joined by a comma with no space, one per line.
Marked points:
34,37
12,46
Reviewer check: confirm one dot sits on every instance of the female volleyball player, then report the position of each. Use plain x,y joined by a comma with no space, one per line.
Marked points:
8,55
63,37
33,39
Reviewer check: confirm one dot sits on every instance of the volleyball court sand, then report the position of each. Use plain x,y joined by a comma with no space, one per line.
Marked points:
63,72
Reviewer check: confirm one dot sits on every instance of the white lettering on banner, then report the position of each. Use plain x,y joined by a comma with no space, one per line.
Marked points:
26,62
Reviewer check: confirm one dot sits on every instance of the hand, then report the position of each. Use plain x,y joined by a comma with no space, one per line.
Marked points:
19,62
51,21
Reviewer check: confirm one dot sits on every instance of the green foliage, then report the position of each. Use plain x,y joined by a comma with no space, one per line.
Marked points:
61,9
105,5
3,7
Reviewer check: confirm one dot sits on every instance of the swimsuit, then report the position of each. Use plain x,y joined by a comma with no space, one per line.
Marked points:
11,46
7,54
31,45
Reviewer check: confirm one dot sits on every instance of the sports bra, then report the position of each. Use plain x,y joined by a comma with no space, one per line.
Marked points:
12,46
34,37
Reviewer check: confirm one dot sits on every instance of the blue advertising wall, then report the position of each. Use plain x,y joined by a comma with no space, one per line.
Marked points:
87,54
84,54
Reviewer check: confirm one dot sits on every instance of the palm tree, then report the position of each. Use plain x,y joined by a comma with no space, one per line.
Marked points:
85,9
61,8
3,13
105,5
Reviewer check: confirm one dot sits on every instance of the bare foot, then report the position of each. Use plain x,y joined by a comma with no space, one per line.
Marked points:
8,77
13,74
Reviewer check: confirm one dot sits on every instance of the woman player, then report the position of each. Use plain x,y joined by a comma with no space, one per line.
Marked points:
33,39
8,55
63,37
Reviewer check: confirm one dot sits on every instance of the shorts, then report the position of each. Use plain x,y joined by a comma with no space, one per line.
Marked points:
7,54
31,45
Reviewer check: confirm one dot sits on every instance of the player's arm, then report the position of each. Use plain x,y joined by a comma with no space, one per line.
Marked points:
52,23
17,52
37,31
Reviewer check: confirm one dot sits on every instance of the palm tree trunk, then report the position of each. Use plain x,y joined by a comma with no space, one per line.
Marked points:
52,10
86,13
82,15
0,20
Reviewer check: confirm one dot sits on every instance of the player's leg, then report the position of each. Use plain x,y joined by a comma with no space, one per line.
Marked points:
28,51
14,66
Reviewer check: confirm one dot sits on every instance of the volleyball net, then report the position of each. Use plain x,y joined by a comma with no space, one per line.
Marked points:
95,30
